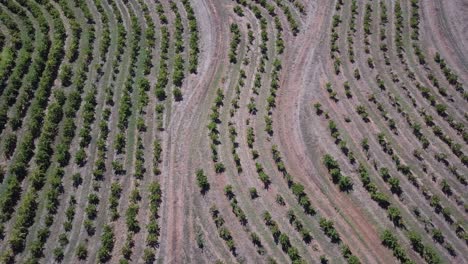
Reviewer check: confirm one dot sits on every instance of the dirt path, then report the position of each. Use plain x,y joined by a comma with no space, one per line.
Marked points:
294,144
449,23
176,168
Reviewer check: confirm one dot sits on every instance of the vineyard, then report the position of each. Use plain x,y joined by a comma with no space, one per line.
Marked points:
233,131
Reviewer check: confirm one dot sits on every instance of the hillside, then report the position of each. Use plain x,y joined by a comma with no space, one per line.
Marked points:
233,131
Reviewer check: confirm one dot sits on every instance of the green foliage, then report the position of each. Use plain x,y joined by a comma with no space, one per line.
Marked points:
229,192
368,19
223,232
264,178
395,216
235,41
89,227
445,187
25,218
253,192
395,185
219,167
238,212
148,256
107,244
58,254
178,76
66,74
362,111
344,182
10,144
80,157
202,181
238,10
329,230
131,220
437,235
250,137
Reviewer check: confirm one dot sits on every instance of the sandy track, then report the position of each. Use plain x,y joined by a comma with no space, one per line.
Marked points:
177,170
448,21
294,145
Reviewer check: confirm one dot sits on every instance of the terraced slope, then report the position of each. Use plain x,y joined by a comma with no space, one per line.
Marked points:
222,131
